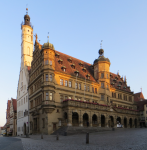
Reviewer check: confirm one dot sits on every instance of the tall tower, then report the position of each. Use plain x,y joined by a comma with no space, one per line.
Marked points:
27,42
102,74
22,90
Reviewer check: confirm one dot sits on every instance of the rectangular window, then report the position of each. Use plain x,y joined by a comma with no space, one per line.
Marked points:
61,81
75,98
79,86
85,87
46,95
50,62
65,83
102,97
24,100
50,77
66,97
88,88
69,84
69,97
107,76
76,85
92,89
46,62
146,112
146,118
61,98
46,77
102,84
102,75
51,96
95,90
146,105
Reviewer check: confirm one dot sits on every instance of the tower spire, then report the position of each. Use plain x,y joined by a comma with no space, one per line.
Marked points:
48,37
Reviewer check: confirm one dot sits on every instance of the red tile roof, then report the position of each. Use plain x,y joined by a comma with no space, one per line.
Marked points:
138,96
70,70
89,70
118,82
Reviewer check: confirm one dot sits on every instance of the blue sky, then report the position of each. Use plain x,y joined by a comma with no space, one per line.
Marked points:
76,28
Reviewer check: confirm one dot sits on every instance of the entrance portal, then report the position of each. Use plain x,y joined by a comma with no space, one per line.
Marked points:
102,121
111,123
130,122
85,119
125,122
24,128
94,120
75,119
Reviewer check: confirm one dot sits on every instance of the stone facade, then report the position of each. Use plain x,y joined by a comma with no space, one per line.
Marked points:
65,91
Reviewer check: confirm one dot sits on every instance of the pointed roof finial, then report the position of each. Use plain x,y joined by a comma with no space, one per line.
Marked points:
118,72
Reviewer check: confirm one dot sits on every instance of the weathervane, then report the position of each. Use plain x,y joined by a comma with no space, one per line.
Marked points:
27,9
48,37
101,44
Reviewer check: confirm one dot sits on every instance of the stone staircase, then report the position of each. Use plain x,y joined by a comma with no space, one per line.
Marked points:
71,130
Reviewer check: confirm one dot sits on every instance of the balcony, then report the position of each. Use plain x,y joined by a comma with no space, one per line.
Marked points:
90,105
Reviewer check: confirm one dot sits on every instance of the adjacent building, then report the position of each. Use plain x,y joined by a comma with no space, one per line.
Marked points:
13,117
22,90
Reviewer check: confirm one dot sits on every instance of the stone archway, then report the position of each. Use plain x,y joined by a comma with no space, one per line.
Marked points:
75,119
85,119
102,121
94,121
125,122
118,120
130,122
135,123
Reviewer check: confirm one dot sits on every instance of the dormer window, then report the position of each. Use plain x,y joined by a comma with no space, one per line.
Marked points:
77,73
63,68
88,76
60,61
120,82
73,66
57,55
84,69
70,60
116,77
81,64
114,80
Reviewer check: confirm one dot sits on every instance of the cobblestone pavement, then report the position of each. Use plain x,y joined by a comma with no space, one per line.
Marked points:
10,143
120,139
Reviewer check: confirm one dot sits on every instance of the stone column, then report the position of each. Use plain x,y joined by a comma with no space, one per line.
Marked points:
69,114
90,119
115,121
99,120
122,121
107,119
80,119
37,123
